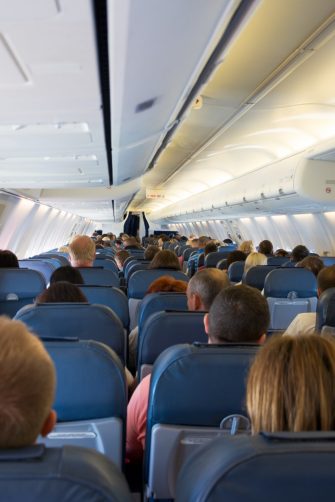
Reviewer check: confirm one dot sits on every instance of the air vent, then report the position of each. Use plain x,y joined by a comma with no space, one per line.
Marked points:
145,105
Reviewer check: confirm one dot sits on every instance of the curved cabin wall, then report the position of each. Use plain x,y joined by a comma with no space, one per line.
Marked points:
28,228
315,230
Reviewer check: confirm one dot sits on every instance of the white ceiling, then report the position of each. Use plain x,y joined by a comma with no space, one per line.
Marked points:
271,97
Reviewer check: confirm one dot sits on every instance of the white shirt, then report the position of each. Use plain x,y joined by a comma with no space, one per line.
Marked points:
303,324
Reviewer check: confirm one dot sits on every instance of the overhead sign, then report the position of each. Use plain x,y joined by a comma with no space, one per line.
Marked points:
155,193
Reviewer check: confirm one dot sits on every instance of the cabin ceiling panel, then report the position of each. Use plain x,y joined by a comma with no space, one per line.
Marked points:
154,61
51,127
264,130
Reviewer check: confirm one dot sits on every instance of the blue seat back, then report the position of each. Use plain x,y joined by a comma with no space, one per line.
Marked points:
156,302
228,249
140,281
289,292
99,276
279,283
135,266
92,366
54,474
164,329
112,297
325,310
106,264
222,264
328,260
197,385
60,257
212,259
75,320
235,271
278,261
181,248
255,276
276,467
44,266
137,253
19,287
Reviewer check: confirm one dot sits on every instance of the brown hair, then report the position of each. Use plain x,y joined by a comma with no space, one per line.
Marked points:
165,259
291,385
167,283
312,263
150,252
27,385
8,259
326,278
61,291
82,248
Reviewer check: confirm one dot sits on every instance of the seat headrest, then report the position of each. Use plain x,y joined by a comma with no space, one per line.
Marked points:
279,283
90,381
140,281
296,466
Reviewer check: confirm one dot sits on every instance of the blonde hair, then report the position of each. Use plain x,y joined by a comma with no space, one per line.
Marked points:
246,246
27,385
291,385
254,259
82,248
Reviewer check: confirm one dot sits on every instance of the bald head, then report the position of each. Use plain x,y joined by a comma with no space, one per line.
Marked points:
204,286
82,251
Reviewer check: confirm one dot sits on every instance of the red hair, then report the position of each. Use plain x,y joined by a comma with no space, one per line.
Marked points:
167,283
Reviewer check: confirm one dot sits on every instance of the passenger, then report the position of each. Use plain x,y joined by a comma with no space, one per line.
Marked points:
254,259
63,249
312,263
298,253
246,247
120,257
193,261
59,292
150,252
8,259
131,243
27,387
305,323
291,385
238,314
68,274
282,252
82,251
165,259
162,284
266,247
211,247
161,239
203,288
235,256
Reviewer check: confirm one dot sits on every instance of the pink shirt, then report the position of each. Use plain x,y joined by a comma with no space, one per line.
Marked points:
137,420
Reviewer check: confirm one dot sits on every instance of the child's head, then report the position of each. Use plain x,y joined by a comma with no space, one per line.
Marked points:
27,386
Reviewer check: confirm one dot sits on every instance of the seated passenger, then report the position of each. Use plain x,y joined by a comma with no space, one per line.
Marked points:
151,251
211,247
8,259
291,385
235,256
193,261
246,247
82,251
165,259
62,291
27,380
68,274
254,259
120,257
305,323
266,247
312,263
203,287
238,314
298,253
282,253
162,284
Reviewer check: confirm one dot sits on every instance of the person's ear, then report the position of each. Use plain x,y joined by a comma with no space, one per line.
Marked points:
49,423
206,324
262,339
